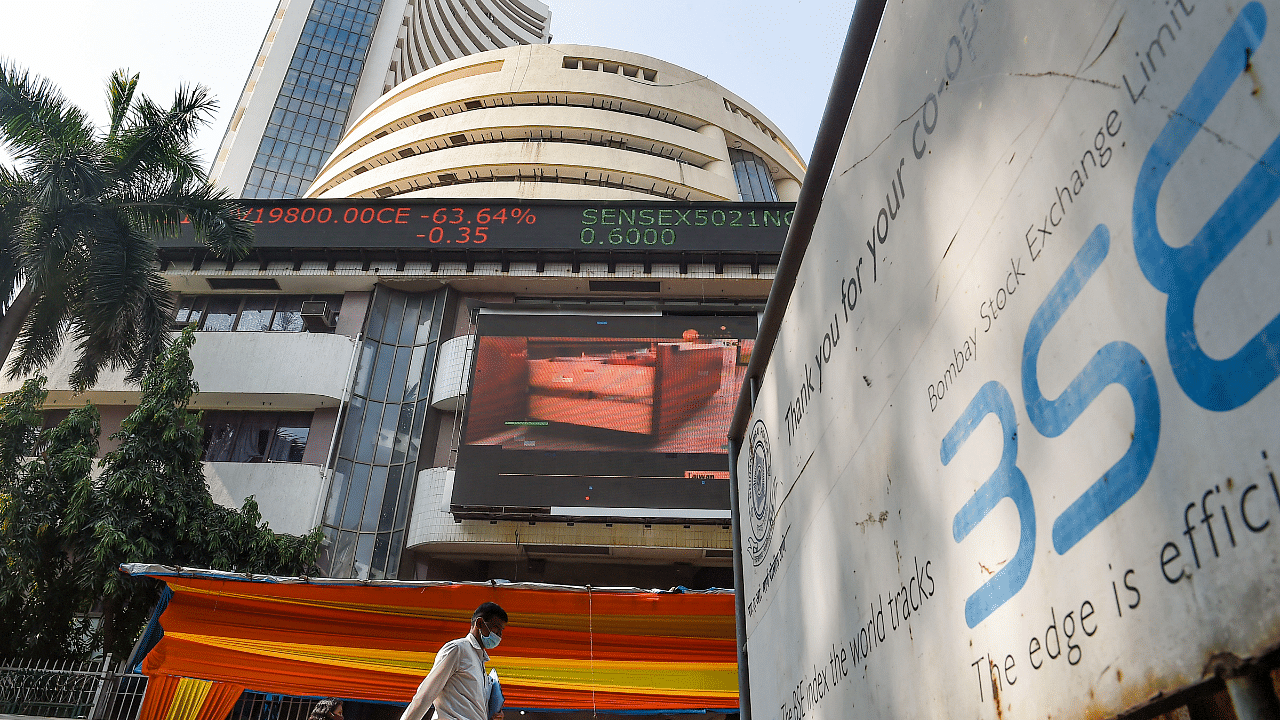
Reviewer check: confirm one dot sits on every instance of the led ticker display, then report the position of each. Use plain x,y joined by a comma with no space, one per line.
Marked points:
602,416
651,226
448,225
626,226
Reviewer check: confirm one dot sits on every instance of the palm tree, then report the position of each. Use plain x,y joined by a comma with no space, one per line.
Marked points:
79,215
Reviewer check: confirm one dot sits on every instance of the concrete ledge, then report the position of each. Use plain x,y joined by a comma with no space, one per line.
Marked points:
235,370
287,493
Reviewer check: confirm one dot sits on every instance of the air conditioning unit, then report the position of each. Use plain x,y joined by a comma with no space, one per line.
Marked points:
317,316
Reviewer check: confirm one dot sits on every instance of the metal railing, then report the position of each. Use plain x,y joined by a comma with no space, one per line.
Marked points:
265,706
70,689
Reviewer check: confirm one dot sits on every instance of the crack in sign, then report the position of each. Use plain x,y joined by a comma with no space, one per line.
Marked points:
1069,76
1111,39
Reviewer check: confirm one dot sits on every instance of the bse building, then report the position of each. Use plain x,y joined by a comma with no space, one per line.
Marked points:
502,333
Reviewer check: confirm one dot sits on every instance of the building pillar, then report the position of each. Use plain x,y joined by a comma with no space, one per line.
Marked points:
788,190
720,166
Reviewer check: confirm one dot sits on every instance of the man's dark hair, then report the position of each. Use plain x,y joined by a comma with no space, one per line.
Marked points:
490,611
324,709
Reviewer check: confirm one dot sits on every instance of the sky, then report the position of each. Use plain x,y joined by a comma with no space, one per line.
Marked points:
779,55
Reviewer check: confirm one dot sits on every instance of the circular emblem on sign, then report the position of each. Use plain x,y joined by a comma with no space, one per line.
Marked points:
761,490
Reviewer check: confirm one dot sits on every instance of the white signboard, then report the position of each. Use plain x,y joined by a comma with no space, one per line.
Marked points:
1015,453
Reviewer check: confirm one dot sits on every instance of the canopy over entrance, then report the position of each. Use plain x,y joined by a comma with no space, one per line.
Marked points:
567,648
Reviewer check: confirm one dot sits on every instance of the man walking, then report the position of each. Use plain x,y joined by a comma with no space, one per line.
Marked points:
457,684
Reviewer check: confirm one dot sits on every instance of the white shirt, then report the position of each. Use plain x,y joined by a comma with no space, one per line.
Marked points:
457,683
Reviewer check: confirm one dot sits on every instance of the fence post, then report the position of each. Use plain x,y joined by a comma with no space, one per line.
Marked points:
104,682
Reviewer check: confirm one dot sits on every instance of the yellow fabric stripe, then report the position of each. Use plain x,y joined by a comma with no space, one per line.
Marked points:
188,699
698,626
631,677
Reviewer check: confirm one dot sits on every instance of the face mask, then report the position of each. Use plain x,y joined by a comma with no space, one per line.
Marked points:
491,640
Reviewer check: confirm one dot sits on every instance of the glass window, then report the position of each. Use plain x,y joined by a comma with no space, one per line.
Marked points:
365,367
379,562
190,309
290,441
337,492
753,179
763,181
249,313
423,335
373,499
399,371
382,372
255,436
288,316
755,184
410,325
351,427
369,432
403,428
377,315
221,313
406,490
436,318
364,555
256,314
415,374
387,515
327,547
53,418
355,498
395,313
415,438
393,557
219,435
387,433
428,370
344,555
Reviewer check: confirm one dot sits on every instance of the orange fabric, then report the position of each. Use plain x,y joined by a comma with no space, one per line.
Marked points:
158,698
565,649
210,701
218,703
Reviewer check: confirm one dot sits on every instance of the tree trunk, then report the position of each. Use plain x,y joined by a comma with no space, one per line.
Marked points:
11,322
110,608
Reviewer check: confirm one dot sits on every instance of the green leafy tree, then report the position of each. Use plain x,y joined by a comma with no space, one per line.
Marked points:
152,506
41,606
79,216
63,535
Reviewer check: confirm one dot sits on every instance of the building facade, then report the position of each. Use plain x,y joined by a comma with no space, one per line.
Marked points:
323,62
511,375
562,121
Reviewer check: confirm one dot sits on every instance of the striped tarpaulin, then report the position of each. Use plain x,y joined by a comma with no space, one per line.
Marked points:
566,648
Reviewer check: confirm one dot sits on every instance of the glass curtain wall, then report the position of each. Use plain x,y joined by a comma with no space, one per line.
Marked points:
311,109
377,459
755,184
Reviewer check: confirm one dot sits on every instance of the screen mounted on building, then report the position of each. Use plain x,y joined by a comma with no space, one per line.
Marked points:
601,416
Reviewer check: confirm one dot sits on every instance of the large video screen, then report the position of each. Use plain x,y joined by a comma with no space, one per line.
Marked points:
602,416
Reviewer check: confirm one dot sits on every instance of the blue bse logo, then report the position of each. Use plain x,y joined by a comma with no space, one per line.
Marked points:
762,490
